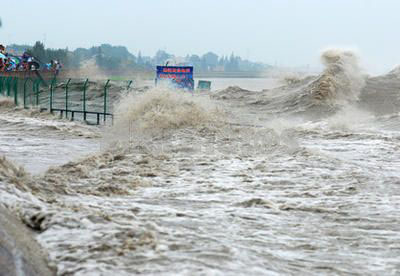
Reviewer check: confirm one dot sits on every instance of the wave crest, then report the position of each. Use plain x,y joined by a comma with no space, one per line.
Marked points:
342,80
159,111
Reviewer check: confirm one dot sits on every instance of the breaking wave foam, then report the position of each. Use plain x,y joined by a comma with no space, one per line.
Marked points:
339,85
6,102
160,111
342,79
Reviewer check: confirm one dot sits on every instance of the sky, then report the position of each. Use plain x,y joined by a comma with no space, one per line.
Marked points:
279,32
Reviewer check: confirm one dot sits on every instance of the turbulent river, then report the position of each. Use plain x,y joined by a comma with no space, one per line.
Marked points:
303,178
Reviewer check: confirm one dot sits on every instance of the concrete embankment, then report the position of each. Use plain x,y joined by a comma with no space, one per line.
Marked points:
19,253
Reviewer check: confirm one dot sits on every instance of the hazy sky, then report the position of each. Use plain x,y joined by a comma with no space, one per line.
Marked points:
287,32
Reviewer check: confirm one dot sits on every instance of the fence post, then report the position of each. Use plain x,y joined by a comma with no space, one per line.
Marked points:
1,85
105,100
66,98
51,94
84,99
26,80
15,91
6,80
9,80
129,84
36,86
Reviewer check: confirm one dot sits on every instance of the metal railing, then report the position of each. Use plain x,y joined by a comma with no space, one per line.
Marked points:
59,97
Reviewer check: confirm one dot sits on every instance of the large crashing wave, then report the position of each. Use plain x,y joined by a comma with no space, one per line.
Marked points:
342,79
339,84
395,72
159,112
381,95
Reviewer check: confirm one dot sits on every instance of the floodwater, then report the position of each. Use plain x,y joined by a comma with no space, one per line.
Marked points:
298,179
38,143
253,84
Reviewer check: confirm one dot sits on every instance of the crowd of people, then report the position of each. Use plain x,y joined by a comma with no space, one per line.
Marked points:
26,62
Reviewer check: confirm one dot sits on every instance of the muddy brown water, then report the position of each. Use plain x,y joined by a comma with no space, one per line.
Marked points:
20,255
305,192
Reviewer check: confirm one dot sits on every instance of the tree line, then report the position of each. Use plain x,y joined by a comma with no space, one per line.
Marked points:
118,59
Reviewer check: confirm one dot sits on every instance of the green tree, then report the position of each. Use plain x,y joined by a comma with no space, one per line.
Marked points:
161,57
210,60
195,61
38,51
99,57
233,64
56,54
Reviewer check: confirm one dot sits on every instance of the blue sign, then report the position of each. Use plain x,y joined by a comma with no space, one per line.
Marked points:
179,76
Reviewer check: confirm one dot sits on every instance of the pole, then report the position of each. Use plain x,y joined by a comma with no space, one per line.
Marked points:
66,98
105,100
16,91
26,80
9,80
51,94
84,99
1,85
37,88
129,85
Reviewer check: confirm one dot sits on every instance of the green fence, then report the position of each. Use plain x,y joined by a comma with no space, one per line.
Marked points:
71,98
